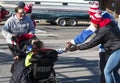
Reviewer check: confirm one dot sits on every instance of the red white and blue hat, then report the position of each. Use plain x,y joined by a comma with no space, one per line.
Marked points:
94,8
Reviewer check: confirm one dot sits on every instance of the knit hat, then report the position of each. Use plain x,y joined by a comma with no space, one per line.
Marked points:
28,8
94,8
96,18
21,4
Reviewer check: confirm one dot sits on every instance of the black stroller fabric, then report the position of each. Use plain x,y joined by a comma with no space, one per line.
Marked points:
19,72
41,68
43,64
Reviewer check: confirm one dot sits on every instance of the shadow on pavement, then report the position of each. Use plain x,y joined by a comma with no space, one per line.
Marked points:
3,46
74,62
5,63
5,57
4,79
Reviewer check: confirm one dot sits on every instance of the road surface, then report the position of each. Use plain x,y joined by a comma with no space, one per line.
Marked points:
71,67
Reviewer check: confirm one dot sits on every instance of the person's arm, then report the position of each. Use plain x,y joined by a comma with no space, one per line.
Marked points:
32,27
94,42
82,37
6,31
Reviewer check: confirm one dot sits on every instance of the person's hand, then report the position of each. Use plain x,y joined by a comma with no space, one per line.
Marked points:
30,33
16,57
73,48
68,45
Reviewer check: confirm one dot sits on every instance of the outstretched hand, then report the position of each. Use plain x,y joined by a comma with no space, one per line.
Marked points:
73,48
68,45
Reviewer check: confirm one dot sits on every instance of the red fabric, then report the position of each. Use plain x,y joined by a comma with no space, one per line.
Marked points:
93,8
104,22
24,36
3,13
92,11
96,18
28,8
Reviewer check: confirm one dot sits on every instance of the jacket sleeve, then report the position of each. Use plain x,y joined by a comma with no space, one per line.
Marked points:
84,35
94,42
6,32
32,27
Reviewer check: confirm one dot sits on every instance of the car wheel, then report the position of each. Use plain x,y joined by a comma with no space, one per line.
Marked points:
72,22
62,22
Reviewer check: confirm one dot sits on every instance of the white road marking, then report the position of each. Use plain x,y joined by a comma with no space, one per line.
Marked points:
43,33
47,35
39,31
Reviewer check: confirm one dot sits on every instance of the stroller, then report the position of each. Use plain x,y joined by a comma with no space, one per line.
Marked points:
42,68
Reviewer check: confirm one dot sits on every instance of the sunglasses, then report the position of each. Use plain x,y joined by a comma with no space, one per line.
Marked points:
21,13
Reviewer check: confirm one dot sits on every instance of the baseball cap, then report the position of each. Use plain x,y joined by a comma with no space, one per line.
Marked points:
21,4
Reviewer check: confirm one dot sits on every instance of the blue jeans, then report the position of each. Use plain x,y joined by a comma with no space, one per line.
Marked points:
112,67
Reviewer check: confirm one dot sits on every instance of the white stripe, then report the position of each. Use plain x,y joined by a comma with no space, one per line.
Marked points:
93,10
53,35
92,28
39,31
72,41
94,6
97,15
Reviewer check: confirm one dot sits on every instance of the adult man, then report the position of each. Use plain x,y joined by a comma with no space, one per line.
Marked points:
109,36
85,34
17,25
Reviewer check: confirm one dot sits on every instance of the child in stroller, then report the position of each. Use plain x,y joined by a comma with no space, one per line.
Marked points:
40,62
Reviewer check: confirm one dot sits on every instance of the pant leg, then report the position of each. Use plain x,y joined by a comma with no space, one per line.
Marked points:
112,63
116,75
102,62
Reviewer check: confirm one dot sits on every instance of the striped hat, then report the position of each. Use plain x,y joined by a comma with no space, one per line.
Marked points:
96,18
94,8
28,8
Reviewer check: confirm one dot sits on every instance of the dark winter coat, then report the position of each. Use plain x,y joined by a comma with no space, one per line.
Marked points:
108,36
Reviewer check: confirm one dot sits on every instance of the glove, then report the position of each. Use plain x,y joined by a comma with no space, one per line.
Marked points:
67,47
74,48
60,51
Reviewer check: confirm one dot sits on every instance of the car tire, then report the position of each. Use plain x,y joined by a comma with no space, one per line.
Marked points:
62,22
72,22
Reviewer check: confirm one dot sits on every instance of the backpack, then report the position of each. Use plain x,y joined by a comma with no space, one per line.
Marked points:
43,63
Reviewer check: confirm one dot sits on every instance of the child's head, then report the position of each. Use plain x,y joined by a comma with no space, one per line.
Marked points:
36,45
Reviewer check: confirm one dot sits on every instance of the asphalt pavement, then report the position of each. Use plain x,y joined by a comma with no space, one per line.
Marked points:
71,67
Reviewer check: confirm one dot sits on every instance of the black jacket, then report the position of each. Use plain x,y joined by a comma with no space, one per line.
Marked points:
108,36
